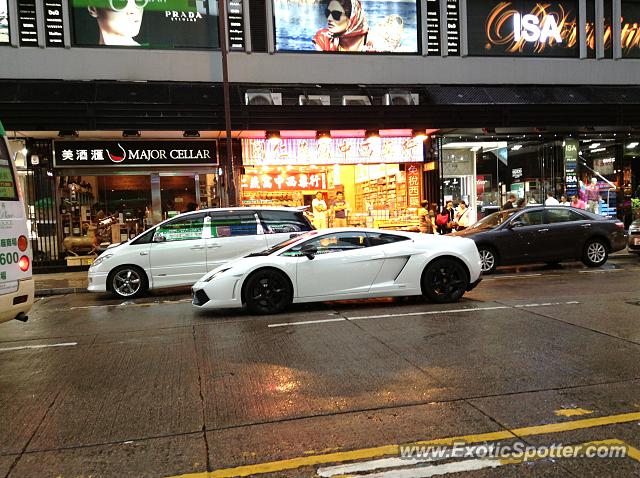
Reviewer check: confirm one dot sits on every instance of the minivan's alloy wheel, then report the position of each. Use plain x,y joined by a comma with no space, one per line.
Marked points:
128,282
444,280
488,260
267,292
595,253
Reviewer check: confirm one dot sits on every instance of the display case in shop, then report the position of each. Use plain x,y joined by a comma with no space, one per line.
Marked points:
385,200
272,198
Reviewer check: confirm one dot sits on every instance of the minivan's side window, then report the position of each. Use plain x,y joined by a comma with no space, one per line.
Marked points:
275,222
563,215
184,228
233,224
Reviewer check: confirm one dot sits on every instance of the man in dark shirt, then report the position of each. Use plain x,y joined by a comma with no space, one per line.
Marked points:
339,206
509,203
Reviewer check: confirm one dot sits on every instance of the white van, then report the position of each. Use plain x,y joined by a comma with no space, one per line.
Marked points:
178,251
16,283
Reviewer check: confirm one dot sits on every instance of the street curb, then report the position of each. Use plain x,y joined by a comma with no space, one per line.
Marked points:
60,291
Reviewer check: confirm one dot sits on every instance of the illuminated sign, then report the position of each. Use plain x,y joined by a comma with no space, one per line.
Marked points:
4,22
27,23
256,152
53,23
355,26
146,23
97,154
286,181
529,28
414,178
522,28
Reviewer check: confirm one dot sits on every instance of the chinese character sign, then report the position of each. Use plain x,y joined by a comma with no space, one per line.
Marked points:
256,152
284,182
413,186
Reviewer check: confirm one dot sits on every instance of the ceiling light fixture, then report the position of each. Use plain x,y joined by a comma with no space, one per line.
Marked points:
323,137
131,133
420,135
273,136
191,133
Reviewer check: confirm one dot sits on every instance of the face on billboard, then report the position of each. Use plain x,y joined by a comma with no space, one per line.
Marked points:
4,22
146,23
347,26
523,28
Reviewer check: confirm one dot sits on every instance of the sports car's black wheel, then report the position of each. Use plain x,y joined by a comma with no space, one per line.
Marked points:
488,259
267,292
444,280
595,253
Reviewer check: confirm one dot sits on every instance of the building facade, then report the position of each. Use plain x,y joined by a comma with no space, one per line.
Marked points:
119,111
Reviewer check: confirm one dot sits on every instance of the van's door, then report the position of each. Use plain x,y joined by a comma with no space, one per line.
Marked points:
178,253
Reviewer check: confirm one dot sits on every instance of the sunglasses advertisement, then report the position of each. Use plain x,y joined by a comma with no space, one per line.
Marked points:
158,24
4,22
365,26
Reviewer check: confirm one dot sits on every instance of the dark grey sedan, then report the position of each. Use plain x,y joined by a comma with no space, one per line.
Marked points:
545,234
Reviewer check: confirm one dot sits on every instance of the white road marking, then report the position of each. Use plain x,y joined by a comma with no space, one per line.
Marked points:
426,312
370,465
433,470
430,312
600,272
44,346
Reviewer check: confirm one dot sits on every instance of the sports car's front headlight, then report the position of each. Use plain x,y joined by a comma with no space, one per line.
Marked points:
214,275
101,259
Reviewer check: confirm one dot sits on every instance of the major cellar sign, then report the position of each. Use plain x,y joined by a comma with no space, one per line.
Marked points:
97,154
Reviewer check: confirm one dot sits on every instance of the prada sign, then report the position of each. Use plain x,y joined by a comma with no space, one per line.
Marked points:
100,154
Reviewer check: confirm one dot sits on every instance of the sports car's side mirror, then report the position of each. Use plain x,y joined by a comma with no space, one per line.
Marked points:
309,250
513,224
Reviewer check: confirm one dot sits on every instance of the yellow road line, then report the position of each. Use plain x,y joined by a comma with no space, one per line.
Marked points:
299,462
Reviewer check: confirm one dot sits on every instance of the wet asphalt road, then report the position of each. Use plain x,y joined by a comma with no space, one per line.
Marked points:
91,386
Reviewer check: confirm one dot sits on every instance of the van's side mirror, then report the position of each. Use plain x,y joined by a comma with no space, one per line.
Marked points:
309,250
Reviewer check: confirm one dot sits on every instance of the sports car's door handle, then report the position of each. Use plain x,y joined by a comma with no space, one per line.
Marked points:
543,230
586,225
211,246
144,253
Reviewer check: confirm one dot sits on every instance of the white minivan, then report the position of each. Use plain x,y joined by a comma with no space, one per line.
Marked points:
180,250
16,282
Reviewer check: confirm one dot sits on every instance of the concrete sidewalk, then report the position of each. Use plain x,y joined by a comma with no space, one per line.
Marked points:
76,282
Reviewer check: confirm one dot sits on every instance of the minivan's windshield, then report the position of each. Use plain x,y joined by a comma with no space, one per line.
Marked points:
282,245
495,219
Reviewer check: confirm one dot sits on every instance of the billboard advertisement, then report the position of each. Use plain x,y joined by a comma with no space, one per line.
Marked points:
365,26
4,22
162,24
523,28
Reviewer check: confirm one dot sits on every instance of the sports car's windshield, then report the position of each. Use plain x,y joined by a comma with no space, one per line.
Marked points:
282,245
494,220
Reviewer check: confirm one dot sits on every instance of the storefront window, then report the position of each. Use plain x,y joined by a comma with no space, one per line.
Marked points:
598,169
380,179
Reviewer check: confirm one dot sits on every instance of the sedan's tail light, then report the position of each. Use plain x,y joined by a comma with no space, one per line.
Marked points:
619,225
24,263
